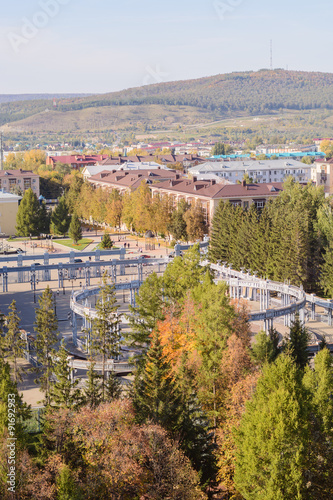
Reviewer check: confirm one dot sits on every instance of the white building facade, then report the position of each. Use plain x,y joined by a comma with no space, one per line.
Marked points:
259,171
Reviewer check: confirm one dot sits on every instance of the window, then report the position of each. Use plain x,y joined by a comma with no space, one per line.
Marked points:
245,204
12,182
259,203
27,184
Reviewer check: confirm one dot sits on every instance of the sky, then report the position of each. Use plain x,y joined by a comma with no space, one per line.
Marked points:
98,46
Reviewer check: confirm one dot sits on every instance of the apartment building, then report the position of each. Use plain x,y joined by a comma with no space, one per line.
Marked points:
259,171
210,193
15,180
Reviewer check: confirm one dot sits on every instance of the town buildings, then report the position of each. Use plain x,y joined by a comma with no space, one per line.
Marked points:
9,204
322,174
259,171
127,181
19,181
209,193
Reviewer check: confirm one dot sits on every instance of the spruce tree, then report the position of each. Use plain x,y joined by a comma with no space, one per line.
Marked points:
14,343
147,311
298,343
44,219
266,347
112,388
11,399
60,217
27,219
105,335
155,395
75,229
67,488
46,325
177,226
92,393
221,233
64,392
182,275
326,276
106,242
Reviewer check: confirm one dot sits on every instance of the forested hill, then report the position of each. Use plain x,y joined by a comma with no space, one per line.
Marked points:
204,99
252,92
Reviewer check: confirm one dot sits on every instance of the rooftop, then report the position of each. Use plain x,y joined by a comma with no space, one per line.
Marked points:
209,189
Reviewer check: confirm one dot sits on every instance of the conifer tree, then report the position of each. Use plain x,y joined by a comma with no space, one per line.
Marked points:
298,343
155,395
182,275
9,395
273,438
64,392
67,488
221,233
75,229
44,219
46,325
266,347
92,393
106,242
27,218
112,388
60,217
212,325
147,311
14,343
177,226
326,277
105,327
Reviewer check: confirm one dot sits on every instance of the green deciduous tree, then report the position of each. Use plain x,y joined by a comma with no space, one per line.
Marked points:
195,219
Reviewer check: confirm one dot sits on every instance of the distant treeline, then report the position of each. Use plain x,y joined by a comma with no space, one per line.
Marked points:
249,92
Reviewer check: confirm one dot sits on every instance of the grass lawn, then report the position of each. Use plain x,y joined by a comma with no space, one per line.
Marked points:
100,248
69,243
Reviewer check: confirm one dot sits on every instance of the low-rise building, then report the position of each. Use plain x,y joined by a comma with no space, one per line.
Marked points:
9,204
209,193
127,181
322,174
19,181
259,171
133,166
75,161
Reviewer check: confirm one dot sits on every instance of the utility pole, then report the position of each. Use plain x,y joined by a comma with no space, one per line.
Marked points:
1,151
